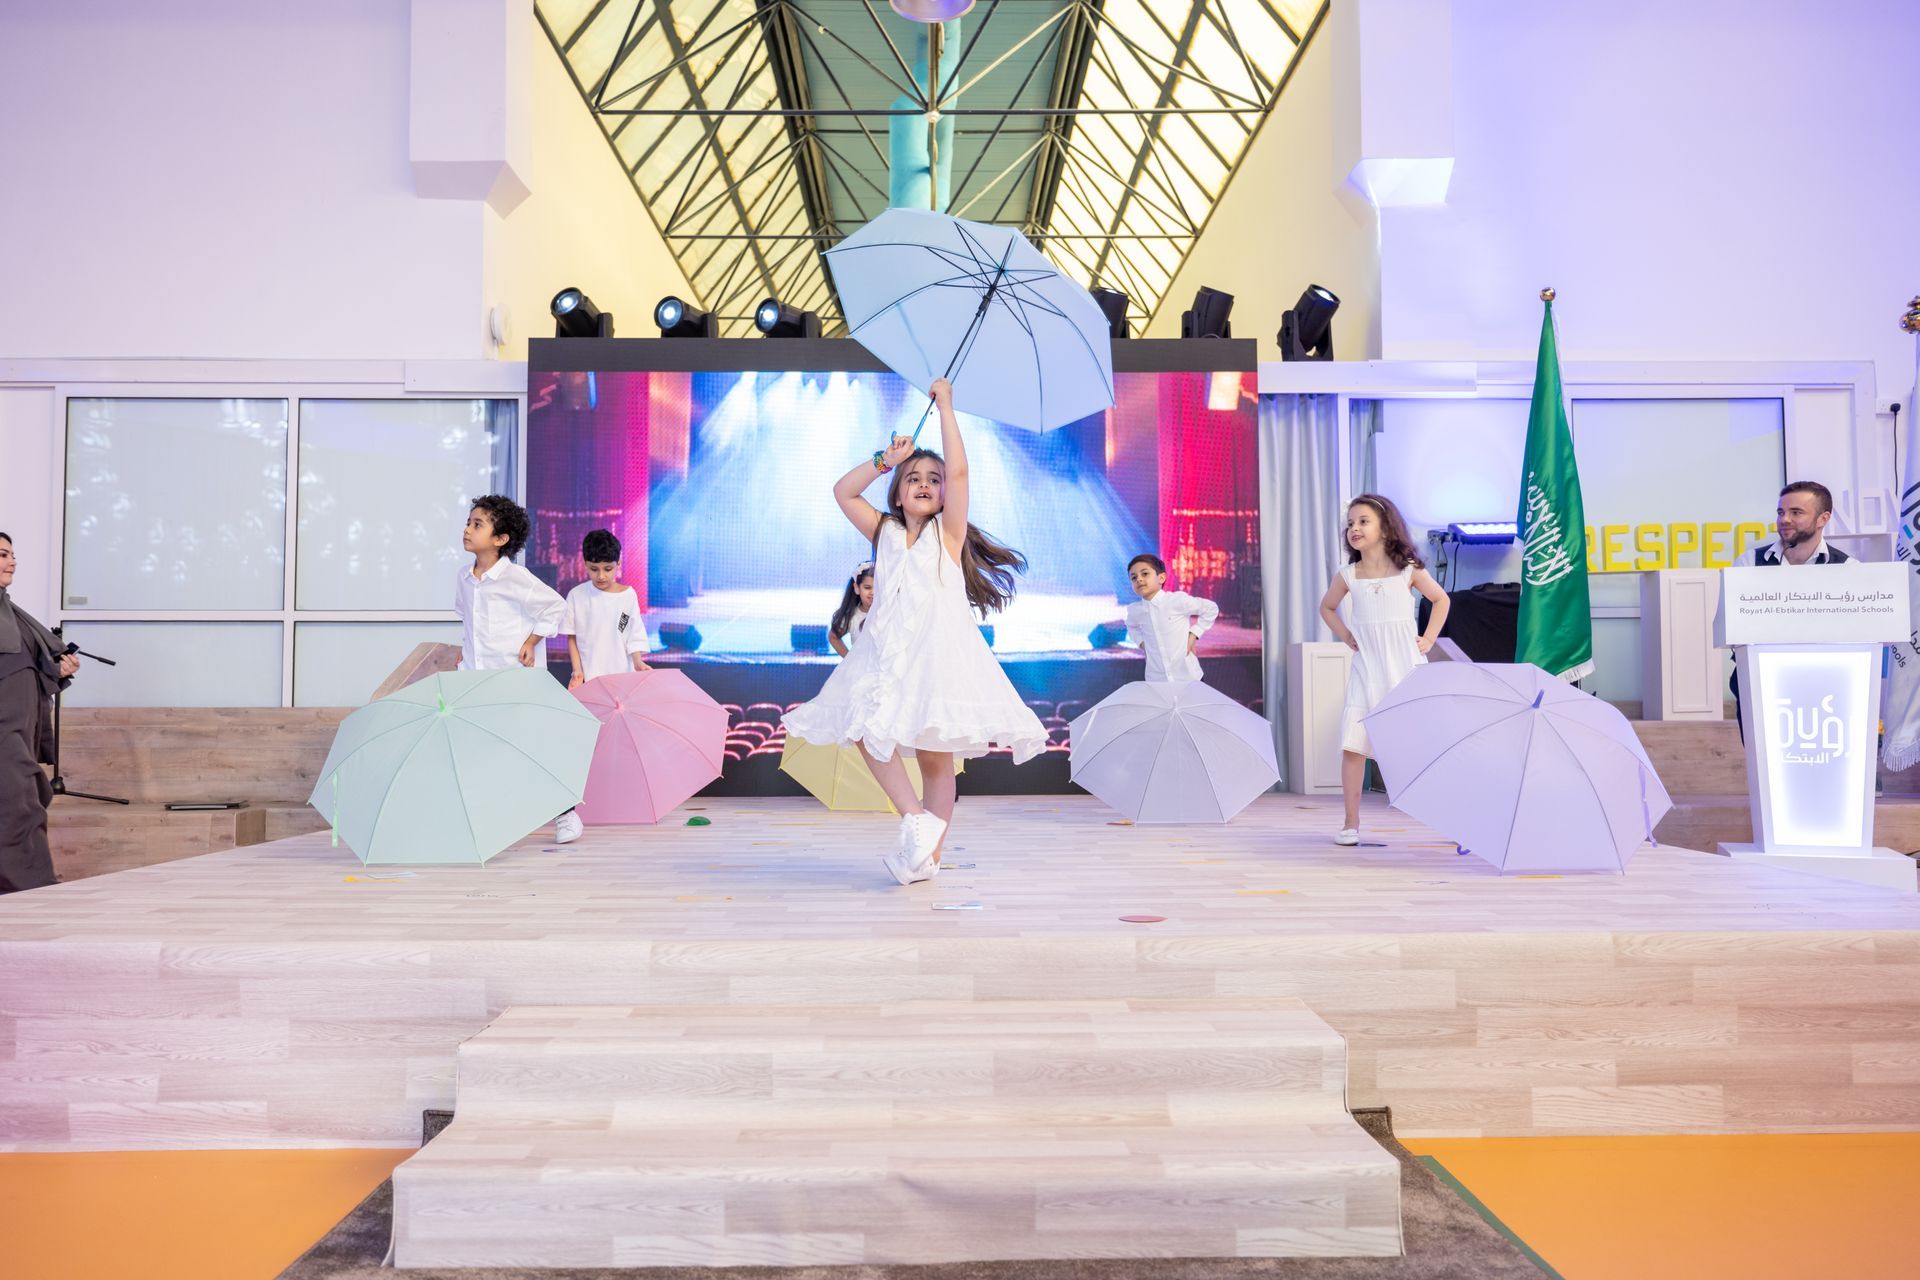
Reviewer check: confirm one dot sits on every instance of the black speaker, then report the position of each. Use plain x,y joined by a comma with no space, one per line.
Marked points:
683,636
1108,635
810,637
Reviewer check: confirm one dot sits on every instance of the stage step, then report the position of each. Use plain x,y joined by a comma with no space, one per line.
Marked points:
91,838
1704,822
915,1132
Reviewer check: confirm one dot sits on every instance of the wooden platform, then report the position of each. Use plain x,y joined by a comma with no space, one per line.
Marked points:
902,1132
281,995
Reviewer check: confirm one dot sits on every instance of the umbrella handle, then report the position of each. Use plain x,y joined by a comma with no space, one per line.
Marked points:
333,819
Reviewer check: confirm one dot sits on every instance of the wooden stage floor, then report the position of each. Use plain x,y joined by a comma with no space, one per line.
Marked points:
281,995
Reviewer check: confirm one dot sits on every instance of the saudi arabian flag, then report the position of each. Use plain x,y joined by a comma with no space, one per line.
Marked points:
1900,705
1556,625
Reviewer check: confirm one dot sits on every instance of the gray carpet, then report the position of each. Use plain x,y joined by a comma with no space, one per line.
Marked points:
1446,1238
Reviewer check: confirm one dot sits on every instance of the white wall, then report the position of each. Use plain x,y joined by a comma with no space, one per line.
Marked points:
1285,222
1713,179
222,178
583,225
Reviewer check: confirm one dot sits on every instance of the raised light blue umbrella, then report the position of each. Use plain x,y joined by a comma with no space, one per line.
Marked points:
456,767
934,296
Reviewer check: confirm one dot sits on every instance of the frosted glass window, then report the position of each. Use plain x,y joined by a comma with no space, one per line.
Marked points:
340,664
385,486
175,504
177,664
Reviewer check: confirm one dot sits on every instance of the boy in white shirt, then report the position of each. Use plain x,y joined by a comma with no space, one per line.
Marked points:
505,612
1165,624
605,631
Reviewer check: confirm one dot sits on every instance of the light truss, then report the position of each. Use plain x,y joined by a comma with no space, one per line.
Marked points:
755,132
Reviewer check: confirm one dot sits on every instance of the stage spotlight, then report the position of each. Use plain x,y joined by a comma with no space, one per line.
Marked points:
775,319
680,636
1113,305
575,316
1483,532
1306,332
1108,635
678,320
1208,319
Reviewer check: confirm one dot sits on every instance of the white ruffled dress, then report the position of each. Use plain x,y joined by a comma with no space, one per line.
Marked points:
922,677
1381,614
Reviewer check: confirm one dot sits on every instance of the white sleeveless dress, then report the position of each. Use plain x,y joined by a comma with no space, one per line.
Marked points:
922,677
1380,613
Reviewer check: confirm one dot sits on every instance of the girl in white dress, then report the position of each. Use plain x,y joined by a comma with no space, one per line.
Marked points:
1381,574
855,603
922,678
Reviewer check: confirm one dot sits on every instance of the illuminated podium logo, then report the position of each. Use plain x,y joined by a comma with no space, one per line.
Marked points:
1808,644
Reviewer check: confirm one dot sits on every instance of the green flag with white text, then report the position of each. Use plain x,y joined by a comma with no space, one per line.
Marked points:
1556,624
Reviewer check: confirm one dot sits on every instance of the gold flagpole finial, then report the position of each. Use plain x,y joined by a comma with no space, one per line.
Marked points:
1910,322
1547,294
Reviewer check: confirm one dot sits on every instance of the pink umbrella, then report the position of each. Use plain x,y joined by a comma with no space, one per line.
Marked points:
661,740
1522,769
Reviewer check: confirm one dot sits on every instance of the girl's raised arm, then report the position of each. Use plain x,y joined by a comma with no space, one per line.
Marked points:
848,489
953,505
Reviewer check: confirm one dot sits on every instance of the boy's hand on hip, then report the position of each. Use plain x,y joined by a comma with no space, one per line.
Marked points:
1192,642
528,648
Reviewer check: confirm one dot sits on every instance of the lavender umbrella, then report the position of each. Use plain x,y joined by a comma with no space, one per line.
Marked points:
1165,752
1522,769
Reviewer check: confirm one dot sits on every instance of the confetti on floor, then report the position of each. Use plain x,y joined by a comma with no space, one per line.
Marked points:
1142,919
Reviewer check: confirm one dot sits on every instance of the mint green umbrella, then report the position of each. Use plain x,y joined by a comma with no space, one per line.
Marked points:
456,767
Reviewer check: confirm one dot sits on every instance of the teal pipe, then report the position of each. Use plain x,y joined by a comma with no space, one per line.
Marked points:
907,178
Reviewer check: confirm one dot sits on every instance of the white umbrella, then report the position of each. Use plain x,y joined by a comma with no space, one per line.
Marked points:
1173,752
935,296
1520,767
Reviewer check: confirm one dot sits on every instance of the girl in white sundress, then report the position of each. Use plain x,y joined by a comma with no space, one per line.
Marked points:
1381,574
922,678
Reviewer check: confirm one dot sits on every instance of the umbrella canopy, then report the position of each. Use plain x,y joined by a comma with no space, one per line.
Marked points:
1173,752
837,777
1522,769
456,767
661,740
935,296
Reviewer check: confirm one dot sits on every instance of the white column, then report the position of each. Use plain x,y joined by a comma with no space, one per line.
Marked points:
469,128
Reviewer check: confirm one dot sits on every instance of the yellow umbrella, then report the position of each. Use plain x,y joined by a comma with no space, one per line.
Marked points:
838,778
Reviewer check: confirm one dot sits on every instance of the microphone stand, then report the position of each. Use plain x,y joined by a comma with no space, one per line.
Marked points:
59,784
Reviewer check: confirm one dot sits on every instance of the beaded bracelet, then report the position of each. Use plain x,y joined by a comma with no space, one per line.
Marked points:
880,462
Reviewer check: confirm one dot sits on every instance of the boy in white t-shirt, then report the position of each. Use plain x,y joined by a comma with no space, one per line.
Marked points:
1165,624
605,631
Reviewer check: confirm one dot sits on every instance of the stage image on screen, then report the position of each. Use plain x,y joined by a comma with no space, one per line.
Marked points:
719,487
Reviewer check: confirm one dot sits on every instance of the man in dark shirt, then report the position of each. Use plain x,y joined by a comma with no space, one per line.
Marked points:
32,668
1806,506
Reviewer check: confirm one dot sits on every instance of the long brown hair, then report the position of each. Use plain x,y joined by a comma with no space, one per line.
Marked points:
849,601
987,565
1393,531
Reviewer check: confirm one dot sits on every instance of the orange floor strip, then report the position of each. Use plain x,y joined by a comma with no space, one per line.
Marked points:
1760,1207
175,1215
1655,1208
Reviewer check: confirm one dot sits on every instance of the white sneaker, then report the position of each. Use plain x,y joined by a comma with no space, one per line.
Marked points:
567,828
922,832
897,866
1347,836
929,870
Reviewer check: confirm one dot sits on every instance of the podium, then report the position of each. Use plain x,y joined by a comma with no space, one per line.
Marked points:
1807,644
